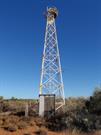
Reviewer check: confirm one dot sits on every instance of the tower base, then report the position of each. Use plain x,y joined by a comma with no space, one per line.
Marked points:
46,105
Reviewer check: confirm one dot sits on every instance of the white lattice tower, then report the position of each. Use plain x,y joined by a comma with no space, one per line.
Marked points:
51,75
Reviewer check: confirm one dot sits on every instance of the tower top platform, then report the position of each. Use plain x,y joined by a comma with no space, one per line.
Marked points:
52,11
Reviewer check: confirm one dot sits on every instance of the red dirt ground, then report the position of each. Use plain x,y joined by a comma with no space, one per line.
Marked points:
32,130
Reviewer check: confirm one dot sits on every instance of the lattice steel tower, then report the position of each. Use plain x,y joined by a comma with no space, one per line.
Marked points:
51,75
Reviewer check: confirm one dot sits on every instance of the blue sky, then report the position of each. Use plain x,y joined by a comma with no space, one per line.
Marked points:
22,30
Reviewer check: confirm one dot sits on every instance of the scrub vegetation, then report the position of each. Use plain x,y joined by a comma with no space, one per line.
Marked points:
80,116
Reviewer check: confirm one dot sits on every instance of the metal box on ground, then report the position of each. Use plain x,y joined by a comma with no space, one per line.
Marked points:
46,105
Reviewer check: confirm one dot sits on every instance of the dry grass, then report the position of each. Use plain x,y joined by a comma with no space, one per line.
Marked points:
77,132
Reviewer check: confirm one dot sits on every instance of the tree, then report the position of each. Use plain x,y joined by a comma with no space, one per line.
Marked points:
13,98
1,97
